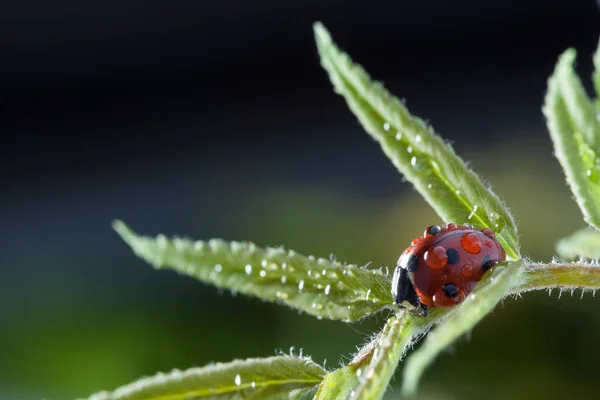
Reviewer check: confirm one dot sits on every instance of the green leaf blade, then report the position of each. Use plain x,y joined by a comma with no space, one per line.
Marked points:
277,377
584,243
395,337
455,192
575,133
323,288
460,320
338,385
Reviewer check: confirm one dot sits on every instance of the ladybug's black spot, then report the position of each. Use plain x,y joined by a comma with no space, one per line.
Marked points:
434,230
409,262
450,289
487,264
453,256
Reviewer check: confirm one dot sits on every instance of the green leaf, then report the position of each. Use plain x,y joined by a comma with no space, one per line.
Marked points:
397,334
575,132
463,318
324,288
582,244
455,192
281,377
338,385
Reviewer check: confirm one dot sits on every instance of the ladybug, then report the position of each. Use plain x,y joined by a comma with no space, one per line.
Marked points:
443,266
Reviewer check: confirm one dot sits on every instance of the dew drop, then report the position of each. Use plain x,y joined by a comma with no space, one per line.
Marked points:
317,306
458,192
324,272
282,295
283,279
429,186
248,269
284,266
238,380
413,161
386,126
263,273
300,285
253,384
359,372
371,373
367,295
398,136
327,289
409,149
386,343
418,138
263,264
472,212
309,273
218,268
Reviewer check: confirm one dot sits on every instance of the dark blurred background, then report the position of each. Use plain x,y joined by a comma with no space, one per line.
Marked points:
214,119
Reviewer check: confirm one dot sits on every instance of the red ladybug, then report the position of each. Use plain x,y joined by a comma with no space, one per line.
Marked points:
443,266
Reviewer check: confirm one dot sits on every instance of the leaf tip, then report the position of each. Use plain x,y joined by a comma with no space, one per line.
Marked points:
566,60
123,230
322,35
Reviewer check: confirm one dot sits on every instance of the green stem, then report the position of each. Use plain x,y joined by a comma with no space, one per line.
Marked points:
563,276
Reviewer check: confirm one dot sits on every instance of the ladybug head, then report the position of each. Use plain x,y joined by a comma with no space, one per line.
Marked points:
403,290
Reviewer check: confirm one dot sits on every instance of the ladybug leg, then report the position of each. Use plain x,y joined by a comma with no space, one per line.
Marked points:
403,290
424,310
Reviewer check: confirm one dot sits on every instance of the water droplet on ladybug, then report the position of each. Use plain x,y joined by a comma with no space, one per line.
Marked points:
432,230
488,232
468,270
471,243
436,258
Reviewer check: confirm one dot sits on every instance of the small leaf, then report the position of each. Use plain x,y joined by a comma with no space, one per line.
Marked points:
455,192
397,334
582,244
462,319
281,377
575,132
324,288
